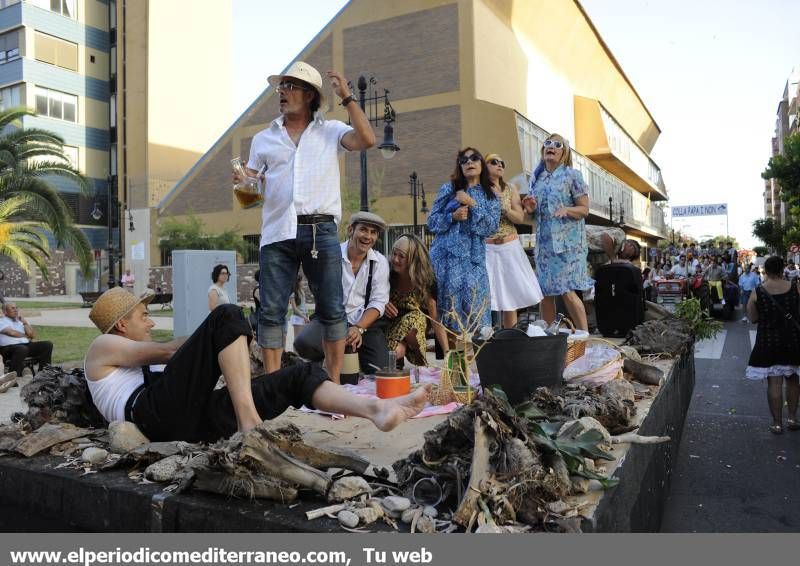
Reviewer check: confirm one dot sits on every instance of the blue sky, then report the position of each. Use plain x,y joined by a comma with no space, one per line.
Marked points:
710,71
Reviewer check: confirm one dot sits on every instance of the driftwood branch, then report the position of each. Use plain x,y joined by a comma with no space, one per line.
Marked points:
323,458
323,511
261,452
644,373
480,471
214,481
633,438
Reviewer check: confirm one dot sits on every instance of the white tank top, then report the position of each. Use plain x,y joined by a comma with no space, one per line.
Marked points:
112,392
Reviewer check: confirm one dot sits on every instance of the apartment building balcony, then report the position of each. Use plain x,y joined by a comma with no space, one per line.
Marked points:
641,214
602,139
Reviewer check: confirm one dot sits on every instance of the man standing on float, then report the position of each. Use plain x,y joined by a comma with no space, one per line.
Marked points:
302,206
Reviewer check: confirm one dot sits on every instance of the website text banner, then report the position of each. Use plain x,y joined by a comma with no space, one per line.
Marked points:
700,210
350,549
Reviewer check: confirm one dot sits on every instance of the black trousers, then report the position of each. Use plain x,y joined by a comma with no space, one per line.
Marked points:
14,356
182,404
308,345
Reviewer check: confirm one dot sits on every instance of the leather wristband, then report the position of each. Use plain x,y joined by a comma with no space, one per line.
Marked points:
348,99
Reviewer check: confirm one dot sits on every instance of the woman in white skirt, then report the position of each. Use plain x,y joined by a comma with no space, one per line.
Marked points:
512,282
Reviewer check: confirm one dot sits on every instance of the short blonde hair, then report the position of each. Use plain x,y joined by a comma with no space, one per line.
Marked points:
566,157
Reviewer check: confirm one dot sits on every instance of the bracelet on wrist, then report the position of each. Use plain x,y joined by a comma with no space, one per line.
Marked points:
347,99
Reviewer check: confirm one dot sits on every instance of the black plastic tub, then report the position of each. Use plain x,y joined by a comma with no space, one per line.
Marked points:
519,363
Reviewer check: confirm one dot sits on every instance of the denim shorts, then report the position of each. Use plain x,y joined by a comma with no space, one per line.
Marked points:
279,263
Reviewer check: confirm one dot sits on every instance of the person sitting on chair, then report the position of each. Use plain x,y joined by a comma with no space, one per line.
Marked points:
182,403
16,341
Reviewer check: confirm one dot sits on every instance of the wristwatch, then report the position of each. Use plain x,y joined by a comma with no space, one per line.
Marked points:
360,329
348,99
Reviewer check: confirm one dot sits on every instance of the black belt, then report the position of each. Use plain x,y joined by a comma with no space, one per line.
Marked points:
132,401
314,218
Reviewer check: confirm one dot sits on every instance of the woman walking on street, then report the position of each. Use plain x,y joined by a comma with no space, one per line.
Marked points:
512,282
465,213
559,201
776,354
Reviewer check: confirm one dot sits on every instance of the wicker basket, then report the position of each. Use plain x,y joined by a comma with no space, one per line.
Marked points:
575,348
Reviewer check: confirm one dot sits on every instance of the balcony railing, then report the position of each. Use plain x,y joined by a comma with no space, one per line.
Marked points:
623,146
640,213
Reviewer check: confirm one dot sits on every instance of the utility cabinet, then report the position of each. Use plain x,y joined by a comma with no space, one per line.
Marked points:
191,278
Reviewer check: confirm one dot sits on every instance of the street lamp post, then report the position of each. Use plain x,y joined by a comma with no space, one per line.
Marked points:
417,189
112,201
619,223
368,99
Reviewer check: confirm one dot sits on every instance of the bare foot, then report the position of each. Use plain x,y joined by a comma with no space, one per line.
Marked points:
391,412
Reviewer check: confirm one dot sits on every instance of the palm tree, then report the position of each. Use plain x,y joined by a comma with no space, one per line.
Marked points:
29,205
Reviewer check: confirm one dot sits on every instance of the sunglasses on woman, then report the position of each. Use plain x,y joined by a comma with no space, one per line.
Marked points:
553,143
499,162
464,159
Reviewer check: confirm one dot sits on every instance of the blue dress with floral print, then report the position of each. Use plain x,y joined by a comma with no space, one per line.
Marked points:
561,246
458,255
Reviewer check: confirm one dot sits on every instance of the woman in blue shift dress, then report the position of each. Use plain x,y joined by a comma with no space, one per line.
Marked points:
465,213
559,201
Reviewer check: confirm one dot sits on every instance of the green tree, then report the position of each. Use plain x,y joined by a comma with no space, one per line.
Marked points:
190,234
31,206
771,233
761,251
785,168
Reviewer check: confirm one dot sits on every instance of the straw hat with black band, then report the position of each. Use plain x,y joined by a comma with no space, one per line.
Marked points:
304,72
114,305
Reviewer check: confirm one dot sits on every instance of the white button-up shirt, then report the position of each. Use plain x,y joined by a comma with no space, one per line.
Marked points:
354,286
301,179
5,339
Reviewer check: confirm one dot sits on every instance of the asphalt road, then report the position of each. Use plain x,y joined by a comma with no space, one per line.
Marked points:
732,474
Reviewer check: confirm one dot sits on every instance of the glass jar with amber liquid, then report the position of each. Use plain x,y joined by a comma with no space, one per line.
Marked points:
247,191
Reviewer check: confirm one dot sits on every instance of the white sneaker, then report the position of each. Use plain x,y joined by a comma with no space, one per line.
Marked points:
744,319
723,301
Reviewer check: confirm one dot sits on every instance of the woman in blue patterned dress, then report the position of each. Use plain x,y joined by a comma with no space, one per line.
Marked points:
559,201
466,211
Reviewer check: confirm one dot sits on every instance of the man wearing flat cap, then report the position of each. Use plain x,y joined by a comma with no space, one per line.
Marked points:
302,205
180,401
365,286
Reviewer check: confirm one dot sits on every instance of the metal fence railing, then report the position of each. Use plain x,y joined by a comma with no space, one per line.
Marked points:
384,243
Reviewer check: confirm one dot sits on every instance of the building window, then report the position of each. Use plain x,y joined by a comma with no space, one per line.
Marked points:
113,160
56,51
56,104
112,111
112,15
112,63
10,97
63,7
9,46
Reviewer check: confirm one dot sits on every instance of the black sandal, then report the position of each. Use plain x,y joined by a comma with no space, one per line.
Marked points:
776,429
792,424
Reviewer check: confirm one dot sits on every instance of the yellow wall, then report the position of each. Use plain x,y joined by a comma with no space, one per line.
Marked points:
98,69
189,76
132,158
93,113
565,43
94,163
94,13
